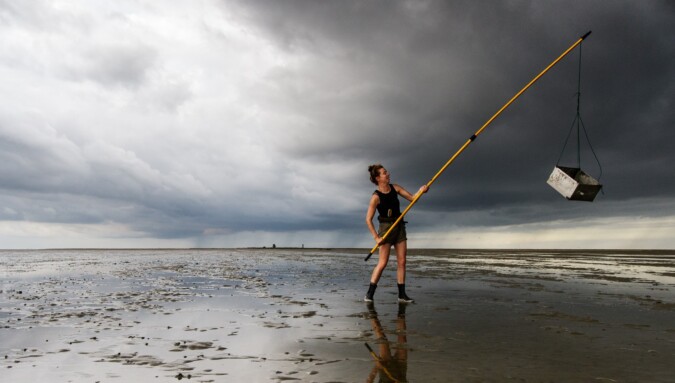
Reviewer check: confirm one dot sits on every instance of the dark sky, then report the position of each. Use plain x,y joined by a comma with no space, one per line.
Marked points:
246,123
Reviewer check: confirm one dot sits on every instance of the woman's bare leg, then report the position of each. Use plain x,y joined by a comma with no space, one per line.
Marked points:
401,250
385,250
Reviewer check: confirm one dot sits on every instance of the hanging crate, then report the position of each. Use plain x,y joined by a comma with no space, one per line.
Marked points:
574,184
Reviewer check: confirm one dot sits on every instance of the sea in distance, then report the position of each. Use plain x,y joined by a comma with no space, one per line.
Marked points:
266,315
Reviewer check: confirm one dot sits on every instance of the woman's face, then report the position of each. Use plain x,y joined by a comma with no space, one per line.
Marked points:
384,175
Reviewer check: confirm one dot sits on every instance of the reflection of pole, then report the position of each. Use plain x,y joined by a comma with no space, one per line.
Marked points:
479,131
394,367
379,362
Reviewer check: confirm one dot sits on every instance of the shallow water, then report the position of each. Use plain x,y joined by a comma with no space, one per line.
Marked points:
298,314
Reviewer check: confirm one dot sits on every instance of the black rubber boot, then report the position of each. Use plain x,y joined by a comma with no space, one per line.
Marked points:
402,297
370,293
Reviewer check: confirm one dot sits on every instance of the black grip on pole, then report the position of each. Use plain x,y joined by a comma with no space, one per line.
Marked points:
586,35
368,256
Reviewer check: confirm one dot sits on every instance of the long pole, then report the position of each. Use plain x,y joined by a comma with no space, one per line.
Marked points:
478,132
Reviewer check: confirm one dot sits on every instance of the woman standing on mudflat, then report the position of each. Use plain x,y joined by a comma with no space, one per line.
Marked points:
385,201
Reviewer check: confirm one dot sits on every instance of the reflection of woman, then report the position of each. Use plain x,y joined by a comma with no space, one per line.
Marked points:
392,368
385,201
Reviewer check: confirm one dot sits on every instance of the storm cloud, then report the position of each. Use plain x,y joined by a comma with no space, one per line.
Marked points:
243,123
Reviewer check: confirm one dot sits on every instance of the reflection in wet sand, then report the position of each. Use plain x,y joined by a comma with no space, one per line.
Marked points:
391,368
296,315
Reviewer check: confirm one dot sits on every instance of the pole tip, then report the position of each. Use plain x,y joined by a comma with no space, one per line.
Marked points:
368,256
586,35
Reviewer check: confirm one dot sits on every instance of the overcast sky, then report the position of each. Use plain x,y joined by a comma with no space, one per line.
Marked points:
207,123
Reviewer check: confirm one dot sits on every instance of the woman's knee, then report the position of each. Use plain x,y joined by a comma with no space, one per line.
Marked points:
382,263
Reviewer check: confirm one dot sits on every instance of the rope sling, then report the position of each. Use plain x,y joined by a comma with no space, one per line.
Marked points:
579,123
572,182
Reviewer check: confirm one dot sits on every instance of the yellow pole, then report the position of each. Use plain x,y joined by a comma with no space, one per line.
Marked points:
479,131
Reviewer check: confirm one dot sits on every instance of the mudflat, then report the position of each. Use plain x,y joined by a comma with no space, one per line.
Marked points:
233,315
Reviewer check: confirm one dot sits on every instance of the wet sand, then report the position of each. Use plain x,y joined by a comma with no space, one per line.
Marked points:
298,315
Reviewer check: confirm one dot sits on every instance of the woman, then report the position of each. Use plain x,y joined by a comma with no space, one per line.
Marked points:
385,201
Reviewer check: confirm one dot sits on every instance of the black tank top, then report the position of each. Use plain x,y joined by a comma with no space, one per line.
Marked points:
389,206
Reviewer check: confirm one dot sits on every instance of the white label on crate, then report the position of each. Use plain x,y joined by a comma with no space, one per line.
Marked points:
563,183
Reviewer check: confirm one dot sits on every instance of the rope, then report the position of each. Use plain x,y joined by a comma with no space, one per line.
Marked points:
579,123
591,147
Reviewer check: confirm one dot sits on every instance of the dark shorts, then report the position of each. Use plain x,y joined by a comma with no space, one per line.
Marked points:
397,235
